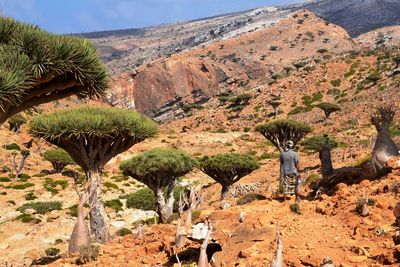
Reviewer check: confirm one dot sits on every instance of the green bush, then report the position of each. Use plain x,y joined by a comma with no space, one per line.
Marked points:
59,158
110,185
5,179
50,185
16,122
248,198
142,199
51,252
27,218
41,207
336,83
123,232
12,146
114,204
5,168
88,253
22,186
30,196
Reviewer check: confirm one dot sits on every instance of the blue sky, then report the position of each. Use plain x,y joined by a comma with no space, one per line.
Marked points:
76,16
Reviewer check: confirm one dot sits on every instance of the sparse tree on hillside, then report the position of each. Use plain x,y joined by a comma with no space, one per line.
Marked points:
227,169
275,105
25,153
92,136
328,108
16,122
159,169
59,159
37,67
279,132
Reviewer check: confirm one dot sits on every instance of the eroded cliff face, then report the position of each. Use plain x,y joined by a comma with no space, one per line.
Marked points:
162,87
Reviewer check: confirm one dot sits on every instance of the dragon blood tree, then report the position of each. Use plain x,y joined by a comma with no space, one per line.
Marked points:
279,132
159,169
37,67
227,169
92,136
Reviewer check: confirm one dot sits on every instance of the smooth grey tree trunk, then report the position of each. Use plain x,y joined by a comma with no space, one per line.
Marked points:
97,215
164,208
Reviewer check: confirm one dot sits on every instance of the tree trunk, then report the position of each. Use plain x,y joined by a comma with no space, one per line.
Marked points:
97,215
224,191
203,258
21,165
164,209
80,235
188,222
326,161
384,149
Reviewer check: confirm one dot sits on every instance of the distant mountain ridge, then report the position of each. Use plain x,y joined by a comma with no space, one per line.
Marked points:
125,49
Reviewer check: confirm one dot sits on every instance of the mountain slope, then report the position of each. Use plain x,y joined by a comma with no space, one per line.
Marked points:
162,87
358,16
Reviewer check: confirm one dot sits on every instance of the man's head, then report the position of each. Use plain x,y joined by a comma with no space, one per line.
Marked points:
289,144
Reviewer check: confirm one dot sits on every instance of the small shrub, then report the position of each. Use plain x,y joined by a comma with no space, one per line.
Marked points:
295,207
88,253
16,122
248,198
114,204
110,185
41,207
5,168
51,252
5,179
22,186
311,178
142,199
50,185
12,146
123,232
196,214
336,83
27,218
30,196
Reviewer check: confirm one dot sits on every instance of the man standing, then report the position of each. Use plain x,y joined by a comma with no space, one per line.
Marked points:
290,180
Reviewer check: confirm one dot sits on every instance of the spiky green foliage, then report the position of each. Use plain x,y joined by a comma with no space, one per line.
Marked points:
328,108
59,158
316,143
158,168
93,135
279,132
38,67
16,122
227,169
